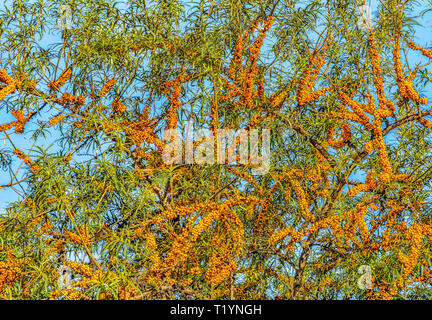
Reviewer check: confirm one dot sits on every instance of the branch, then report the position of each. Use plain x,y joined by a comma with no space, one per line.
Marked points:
411,117
314,143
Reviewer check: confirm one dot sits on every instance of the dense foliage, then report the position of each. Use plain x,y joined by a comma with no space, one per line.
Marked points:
84,109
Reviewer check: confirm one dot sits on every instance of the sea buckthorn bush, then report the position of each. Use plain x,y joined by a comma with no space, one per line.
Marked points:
85,187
